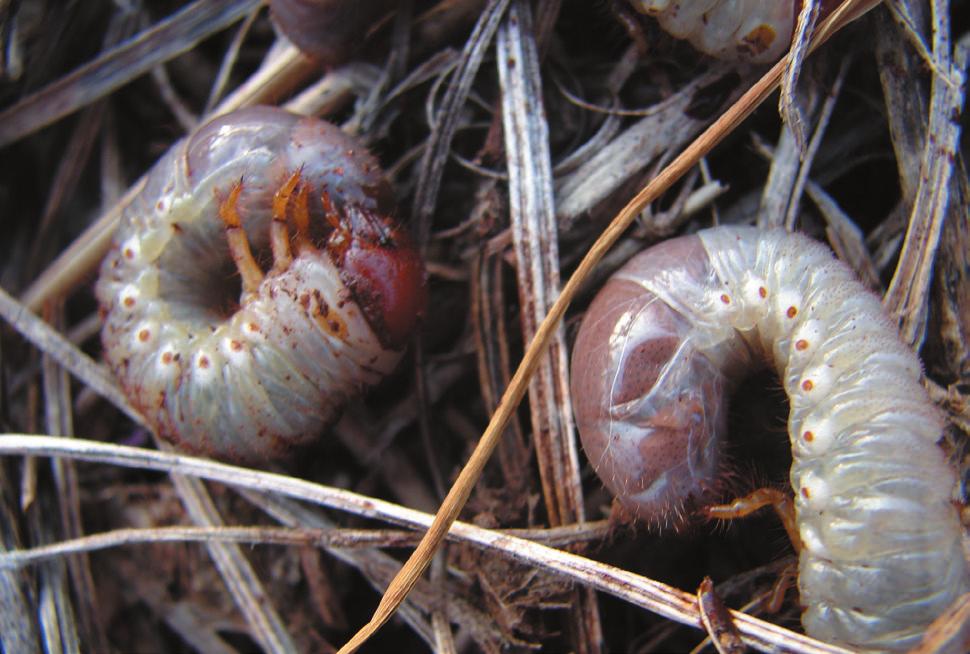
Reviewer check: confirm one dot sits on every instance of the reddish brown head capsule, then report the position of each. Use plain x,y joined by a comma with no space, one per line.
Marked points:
296,213
385,273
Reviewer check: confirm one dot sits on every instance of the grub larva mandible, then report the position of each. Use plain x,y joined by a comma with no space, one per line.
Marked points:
665,341
753,30
246,374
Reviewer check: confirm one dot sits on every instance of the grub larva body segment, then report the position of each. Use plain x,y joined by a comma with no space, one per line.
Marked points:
758,31
882,552
247,375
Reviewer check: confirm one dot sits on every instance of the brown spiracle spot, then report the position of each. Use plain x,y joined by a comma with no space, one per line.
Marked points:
801,345
807,385
759,39
792,312
144,335
329,321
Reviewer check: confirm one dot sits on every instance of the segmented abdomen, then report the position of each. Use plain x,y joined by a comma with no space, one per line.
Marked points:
672,332
756,30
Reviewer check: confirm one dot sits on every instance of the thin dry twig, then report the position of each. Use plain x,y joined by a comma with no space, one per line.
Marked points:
536,247
907,299
653,595
446,120
167,39
342,538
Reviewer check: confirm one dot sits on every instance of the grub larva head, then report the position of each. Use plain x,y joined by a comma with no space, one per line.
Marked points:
648,406
381,267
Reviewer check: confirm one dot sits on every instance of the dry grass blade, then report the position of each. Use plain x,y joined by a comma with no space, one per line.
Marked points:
535,242
461,489
166,40
536,247
342,538
376,566
949,632
246,588
668,127
640,591
446,119
908,296
59,419
49,340
83,256
18,610
236,570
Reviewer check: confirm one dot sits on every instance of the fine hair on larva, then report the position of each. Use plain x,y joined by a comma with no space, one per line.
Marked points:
672,333
248,374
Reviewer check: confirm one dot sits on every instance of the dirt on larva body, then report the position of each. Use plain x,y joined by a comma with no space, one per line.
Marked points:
511,133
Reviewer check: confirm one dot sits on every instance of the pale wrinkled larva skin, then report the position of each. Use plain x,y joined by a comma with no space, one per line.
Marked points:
882,552
752,30
244,383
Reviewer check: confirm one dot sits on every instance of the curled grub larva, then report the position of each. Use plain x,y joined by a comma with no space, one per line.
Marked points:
753,30
245,375
669,336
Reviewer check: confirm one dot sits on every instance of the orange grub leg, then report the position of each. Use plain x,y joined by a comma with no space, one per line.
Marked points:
786,579
249,270
339,240
330,212
745,506
279,234
300,213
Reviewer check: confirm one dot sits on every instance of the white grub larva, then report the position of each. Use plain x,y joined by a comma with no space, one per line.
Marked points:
666,340
753,30
247,374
